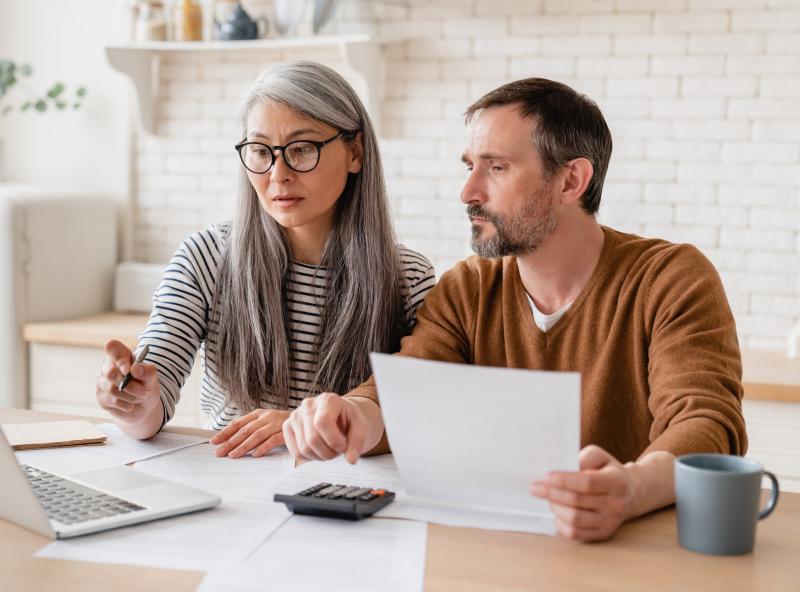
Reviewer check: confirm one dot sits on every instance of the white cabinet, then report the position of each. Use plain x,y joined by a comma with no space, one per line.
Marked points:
773,428
65,358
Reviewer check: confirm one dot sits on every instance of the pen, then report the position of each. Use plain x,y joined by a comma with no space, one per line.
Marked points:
139,359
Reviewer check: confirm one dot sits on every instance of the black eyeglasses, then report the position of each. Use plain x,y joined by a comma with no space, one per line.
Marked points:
301,155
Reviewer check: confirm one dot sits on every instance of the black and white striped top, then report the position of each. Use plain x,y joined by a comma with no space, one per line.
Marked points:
181,323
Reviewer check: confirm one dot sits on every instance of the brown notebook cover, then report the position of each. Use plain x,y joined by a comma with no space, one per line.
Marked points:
28,436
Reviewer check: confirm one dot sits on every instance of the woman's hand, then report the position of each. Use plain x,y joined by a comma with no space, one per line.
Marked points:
140,402
256,433
328,425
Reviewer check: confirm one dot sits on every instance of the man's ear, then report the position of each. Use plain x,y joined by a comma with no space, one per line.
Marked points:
356,153
576,175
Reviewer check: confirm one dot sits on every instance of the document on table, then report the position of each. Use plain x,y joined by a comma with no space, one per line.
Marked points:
119,449
381,472
468,440
227,477
192,541
308,554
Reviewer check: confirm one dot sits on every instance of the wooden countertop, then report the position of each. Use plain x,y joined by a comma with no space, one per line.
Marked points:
768,376
771,376
91,331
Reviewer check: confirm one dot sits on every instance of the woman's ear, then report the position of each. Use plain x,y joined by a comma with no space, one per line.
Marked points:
356,153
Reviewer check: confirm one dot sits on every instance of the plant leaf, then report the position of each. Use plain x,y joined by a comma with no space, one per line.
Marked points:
26,70
55,90
40,105
26,105
81,92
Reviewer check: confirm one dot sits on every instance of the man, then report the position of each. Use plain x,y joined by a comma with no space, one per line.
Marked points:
644,321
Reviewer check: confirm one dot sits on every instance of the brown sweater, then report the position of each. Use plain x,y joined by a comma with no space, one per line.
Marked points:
651,334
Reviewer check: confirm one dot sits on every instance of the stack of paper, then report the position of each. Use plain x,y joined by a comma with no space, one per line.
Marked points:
309,554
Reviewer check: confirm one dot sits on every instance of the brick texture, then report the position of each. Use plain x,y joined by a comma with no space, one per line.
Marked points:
702,97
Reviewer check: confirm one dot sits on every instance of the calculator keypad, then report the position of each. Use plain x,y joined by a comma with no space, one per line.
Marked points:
337,501
335,492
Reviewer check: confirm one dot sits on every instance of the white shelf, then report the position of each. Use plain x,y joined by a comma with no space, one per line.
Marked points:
141,63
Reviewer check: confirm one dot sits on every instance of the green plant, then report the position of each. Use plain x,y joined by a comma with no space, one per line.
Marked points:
56,96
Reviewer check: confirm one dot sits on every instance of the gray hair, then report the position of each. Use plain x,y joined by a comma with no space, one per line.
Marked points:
363,311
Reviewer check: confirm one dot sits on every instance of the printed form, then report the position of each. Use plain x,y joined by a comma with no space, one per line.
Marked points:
469,440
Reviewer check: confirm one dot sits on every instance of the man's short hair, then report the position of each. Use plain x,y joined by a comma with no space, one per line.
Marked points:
567,125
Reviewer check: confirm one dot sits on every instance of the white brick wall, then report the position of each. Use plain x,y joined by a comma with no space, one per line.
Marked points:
702,97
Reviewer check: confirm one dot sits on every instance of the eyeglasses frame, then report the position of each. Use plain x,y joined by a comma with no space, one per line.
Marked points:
274,149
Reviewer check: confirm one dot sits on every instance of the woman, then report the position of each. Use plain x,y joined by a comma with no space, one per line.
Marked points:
289,299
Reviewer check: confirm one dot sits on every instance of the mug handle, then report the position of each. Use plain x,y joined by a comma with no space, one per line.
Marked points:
773,500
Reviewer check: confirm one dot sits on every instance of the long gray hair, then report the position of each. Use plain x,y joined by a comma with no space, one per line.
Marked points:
363,311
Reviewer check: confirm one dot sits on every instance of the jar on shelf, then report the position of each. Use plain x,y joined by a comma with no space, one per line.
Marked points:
188,21
150,24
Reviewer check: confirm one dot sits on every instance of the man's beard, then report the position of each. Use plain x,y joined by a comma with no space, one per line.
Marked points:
521,232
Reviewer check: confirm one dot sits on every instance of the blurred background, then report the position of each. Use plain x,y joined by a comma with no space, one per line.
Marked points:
702,98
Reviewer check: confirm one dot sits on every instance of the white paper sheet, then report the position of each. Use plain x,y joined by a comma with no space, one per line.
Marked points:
474,517
381,472
119,449
312,554
229,478
193,541
475,437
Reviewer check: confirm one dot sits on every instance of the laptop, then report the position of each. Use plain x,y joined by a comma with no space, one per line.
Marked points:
60,507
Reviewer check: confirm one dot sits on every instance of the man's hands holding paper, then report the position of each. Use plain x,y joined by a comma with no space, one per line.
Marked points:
328,425
591,504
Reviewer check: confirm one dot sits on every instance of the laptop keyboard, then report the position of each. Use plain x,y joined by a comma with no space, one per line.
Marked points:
71,503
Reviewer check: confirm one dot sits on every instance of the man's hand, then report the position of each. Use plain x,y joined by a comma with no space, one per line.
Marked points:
589,505
256,433
592,504
326,426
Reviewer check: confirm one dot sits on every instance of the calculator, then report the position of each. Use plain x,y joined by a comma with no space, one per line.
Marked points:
337,501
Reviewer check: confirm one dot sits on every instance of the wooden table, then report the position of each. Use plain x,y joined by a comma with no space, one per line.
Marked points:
644,555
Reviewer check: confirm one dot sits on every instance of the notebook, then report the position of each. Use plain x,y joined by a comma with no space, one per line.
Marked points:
28,436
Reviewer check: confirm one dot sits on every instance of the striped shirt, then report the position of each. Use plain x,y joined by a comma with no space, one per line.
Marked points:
181,322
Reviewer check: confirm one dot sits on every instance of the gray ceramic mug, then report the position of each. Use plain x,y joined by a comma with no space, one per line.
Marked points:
717,496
